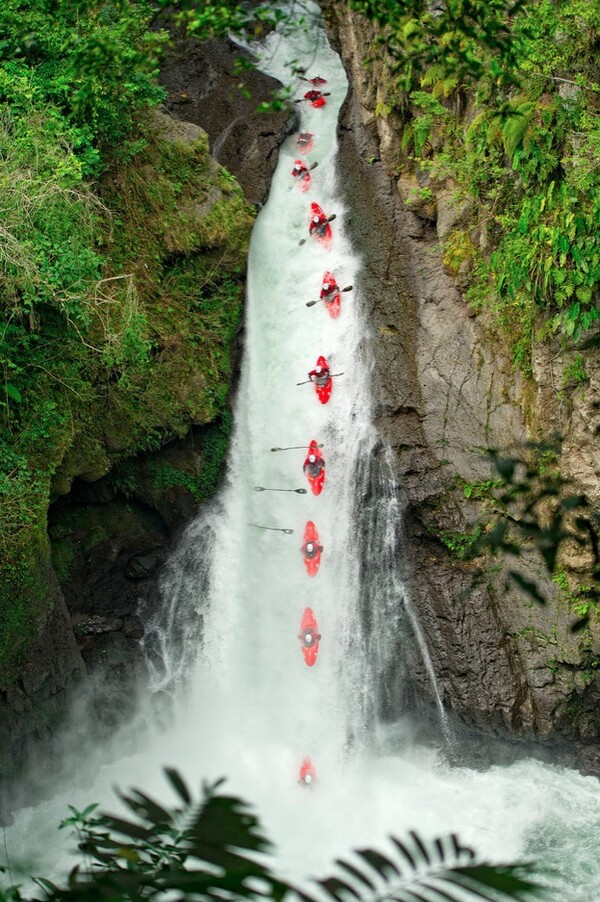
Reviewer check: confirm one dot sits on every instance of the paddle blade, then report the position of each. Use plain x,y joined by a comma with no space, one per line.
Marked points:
347,288
301,491
311,303
259,488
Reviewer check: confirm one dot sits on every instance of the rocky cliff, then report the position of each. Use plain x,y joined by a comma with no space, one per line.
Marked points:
446,391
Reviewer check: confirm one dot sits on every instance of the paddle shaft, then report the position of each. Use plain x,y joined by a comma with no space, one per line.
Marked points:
261,488
295,448
340,290
306,381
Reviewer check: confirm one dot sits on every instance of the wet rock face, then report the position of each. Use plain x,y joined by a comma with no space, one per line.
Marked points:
443,394
206,87
32,707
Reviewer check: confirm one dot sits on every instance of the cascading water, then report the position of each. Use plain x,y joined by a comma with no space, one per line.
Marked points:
247,706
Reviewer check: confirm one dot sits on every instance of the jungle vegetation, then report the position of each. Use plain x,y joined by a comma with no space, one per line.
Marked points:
502,99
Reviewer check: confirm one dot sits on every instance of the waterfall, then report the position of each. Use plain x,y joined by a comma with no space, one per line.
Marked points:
224,650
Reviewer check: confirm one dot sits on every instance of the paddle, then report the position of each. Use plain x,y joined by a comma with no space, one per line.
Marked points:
261,488
310,168
331,375
330,219
312,303
295,448
323,94
288,532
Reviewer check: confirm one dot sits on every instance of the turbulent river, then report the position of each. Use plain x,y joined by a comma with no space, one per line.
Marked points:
245,705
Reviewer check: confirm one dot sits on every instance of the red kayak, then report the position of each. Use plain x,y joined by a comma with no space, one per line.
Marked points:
304,142
315,98
318,225
323,391
316,482
330,293
307,773
309,637
311,535
301,174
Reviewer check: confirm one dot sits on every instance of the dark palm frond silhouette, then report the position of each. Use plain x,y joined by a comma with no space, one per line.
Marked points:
215,849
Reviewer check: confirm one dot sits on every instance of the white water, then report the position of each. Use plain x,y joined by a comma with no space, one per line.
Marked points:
252,708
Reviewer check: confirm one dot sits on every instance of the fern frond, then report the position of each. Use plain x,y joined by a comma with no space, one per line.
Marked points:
440,870
515,126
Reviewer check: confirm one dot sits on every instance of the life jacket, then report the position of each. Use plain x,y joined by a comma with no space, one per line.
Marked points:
319,226
314,467
331,291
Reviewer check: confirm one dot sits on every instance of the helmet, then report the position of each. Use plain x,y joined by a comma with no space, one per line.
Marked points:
309,546
318,369
312,458
308,778
325,286
297,166
309,638
315,219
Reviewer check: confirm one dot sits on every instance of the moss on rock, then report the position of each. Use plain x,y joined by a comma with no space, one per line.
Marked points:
150,360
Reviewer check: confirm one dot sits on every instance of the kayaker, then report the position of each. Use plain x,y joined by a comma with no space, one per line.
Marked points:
320,375
308,638
300,169
304,139
307,775
329,290
313,465
313,95
310,550
318,224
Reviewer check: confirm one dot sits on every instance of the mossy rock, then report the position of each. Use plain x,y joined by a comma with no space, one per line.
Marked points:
151,360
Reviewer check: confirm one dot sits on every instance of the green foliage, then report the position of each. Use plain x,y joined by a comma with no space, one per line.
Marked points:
582,599
122,249
525,154
216,848
536,510
461,543
92,66
482,489
575,372
464,39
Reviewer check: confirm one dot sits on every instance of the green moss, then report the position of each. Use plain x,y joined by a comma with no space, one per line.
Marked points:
24,593
460,543
150,478
63,556
143,356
